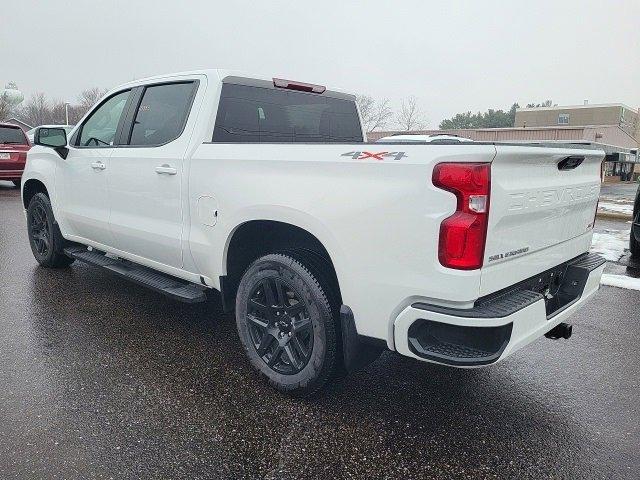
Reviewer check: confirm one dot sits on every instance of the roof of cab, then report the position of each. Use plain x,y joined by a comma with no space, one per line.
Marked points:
215,73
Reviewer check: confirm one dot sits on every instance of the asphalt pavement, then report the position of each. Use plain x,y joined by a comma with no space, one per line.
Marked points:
625,191
100,378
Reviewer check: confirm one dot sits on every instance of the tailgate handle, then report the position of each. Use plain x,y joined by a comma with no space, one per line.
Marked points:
570,163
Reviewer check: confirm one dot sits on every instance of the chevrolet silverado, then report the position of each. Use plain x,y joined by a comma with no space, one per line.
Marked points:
329,249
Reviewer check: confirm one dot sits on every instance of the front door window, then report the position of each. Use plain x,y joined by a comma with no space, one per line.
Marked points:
99,130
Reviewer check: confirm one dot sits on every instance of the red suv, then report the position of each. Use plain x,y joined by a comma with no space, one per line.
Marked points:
13,152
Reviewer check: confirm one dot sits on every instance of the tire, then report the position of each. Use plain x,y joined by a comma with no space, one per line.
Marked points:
286,324
634,246
16,183
46,241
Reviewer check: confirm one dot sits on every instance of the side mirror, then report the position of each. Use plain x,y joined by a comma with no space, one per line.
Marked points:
55,138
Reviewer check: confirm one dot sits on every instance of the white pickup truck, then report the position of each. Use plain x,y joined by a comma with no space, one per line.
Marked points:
329,248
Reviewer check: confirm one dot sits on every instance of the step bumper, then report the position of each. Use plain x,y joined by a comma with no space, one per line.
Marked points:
499,324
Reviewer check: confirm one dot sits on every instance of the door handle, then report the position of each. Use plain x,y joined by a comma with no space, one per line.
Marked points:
98,165
166,169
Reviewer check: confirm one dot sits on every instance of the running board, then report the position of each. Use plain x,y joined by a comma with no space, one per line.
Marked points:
167,285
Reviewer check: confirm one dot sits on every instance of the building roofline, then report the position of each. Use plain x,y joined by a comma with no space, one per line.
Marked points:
571,107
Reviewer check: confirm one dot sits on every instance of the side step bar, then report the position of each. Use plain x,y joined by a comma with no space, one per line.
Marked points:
175,288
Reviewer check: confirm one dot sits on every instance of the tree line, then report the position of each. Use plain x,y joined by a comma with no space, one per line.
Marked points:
489,119
40,110
378,115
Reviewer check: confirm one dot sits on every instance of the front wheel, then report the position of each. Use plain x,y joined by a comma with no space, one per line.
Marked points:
46,241
286,324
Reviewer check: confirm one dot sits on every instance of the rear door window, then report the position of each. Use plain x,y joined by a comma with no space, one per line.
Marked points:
254,114
11,135
162,114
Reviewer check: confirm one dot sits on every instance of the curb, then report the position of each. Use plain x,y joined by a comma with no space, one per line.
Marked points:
613,215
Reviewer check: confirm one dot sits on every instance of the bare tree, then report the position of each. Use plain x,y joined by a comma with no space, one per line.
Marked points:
88,98
36,110
58,113
375,115
5,108
546,103
410,116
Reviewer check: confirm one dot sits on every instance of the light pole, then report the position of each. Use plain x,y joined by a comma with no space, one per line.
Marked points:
66,113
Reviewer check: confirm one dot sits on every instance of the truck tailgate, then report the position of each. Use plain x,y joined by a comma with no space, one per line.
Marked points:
543,200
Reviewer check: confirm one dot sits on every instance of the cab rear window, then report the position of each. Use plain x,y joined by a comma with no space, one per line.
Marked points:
12,135
263,115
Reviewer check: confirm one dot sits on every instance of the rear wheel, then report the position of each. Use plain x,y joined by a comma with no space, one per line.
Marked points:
46,241
286,324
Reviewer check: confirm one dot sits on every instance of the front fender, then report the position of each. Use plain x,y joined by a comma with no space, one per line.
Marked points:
41,166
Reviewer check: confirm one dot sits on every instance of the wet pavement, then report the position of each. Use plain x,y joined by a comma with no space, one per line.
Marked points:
623,192
103,379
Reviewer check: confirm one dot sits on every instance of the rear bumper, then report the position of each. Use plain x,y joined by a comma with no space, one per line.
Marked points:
501,323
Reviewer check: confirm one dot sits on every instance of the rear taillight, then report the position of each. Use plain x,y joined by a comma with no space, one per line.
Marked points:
463,235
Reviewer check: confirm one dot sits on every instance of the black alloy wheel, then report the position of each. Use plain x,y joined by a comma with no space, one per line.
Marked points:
286,322
280,326
39,231
45,238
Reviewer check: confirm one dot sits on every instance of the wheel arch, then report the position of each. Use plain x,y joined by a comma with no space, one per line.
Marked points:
275,236
32,187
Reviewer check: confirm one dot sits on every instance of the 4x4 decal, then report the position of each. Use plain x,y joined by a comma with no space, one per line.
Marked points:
374,155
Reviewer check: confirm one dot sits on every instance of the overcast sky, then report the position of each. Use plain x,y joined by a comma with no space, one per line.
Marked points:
452,55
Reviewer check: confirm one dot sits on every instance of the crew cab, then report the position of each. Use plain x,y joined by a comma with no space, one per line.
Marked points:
14,146
328,248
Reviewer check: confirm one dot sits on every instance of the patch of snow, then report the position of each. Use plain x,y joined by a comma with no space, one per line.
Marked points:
624,208
620,281
611,243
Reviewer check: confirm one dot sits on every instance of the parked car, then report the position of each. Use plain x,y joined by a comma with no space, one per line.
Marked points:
13,152
328,248
435,138
31,133
634,236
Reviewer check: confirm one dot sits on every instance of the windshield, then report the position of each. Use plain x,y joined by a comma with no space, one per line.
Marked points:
12,135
